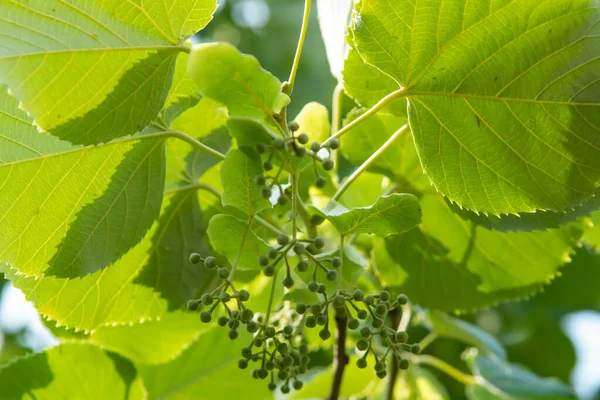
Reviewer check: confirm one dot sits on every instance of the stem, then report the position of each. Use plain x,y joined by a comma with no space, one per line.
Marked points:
339,282
303,31
294,179
405,319
447,368
336,107
340,358
197,186
273,283
394,321
195,143
239,253
371,111
268,225
369,161
427,340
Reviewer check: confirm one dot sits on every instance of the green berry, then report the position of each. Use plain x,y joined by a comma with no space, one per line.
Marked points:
321,182
328,164
402,299
403,363
334,144
321,320
195,258
283,240
269,365
379,366
282,374
313,286
270,332
303,348
192,305
224,297
262,373
331,275
247,315
324,334
415,349
401,337
272,386
336,262
358,295
283,200
300,151
302,369
222,320
369,300
322,288
300,308
285,389
297,385
282,348
261,148
302,266
243,295
315,309
353,323
268,165
269,270
258,342
260,180
362,314
362,345
206,299
288,361
384,296
288,330
272,254
246,352
210,262
288,282
223,273
233,334
377,323
263,261
315,147
361,363
383,334
381,310
381,374
242,364
339,301
365,332
265,193
310,321
293,126
205,317
303,138
299,248
319,242
279,143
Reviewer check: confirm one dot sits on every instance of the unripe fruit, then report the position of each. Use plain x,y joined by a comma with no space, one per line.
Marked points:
269,365
288,361
269,270
379,366
415,349
285,389
362,314
302,266
358,295
315,147
205,317
365,332
319,243
321,320
270,332
195,258
268,165
247,315
222,320
260,180
263,261
258,342
403,364
300,151
223,273
288,330
265,193
310,322
334,144
300,308
242,364
362,345
288,282
246,352
302,369
282,374
272,386
313,286
297,385
353,324
272,254
320,182
303,348
206,299
283,239
381,374
381,310
243,295
299,248
261,148
361,363
262,373
384,296
315,308
324,334
377,323
339,301
401,337
210,262
328,164
224,297
283,200
233,334
293,126
192,305
303,138
402,299
331,275
336,262
369,300
322,288
383,334
279,143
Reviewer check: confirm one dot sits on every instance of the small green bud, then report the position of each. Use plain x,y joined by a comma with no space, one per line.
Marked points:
206,299
279,143
365,332
270,332
293,125
269,270
336,262
315,147
222,320
310,321
260,180
233,334
288,330
362,345
379,366
313,286
288,281
321,182
361,363
299,248
401,337
205,317
334,144
300,308
192,305
243,295
384,296
319,242
265,193
261,148
195,258
223,273
381,310
268,165
358,295
339,301
377,323
303,138
362,314
263,261
302,266
321,320
322,288
415,349
402,299
272,386
210,262
324,334
283,200
331,275
285,389
297,385
353,323
403,363
283,240
224,297
328,164
369,300
242,364
272,254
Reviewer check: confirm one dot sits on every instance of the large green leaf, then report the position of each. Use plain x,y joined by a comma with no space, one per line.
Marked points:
93,71
72,213
70,371
236,80
417,383
390,215
503,95
152,278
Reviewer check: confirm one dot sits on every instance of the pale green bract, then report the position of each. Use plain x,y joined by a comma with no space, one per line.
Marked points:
503,95
92,71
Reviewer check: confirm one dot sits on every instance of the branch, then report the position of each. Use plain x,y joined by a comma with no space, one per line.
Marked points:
195,143
340,358
394,322
447,368
305,18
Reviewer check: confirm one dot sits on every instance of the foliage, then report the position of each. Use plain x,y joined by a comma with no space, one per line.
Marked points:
146,183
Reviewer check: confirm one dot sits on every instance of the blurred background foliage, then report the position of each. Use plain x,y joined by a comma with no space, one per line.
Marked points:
553,333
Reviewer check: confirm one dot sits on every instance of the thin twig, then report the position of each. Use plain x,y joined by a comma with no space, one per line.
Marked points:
393,377
340,358
303,30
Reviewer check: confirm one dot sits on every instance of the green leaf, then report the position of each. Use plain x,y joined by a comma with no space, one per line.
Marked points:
73,370
236,80
90,72
239,169
356,382
444,325
417,384
592,235
486,102
72,213
228,233
207,370
183,94
390,215
313,120
511,381
334,18
127,291
150,342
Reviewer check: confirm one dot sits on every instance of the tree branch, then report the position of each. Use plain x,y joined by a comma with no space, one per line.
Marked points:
393,377
340,358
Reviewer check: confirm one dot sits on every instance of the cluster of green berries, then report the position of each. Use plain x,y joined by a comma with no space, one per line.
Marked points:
304,250
233,318
282,355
